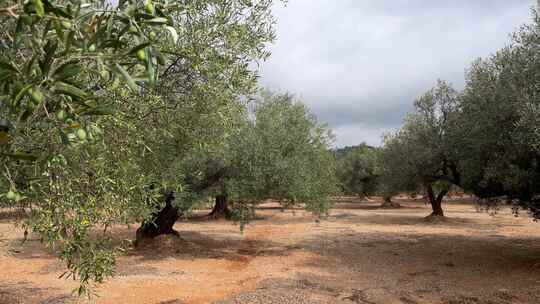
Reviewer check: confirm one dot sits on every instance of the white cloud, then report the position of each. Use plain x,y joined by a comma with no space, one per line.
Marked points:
348,135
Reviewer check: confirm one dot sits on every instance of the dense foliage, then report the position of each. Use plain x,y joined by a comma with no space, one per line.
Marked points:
483,139
284,153
279,151
421,153
498,127
101,101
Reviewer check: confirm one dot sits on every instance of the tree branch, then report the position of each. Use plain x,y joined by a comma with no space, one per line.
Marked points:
10,10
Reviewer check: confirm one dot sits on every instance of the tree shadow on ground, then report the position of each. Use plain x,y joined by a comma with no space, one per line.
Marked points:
21,292
373,206
30,248
278,208
219,240
432,264
281,290
406,219
195,245
202,216
189,246
406,202
10,215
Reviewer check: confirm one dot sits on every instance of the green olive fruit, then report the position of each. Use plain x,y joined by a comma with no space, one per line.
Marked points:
92,48
36,95
141,55
104,74
149,7
132,29
81,134
152,35
11,195
61,115
18,197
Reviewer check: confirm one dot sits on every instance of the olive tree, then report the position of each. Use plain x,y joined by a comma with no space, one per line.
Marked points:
421,153
284,154
498,123
279,151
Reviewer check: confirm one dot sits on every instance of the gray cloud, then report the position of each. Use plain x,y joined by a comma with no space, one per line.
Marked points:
359,64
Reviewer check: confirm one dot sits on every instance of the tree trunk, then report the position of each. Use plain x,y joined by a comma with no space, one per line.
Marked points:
162,222
221,208
388,203
435,201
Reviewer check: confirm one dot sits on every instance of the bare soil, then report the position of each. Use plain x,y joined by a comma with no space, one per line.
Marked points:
359,254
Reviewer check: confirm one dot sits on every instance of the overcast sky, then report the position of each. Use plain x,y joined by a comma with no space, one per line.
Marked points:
359,64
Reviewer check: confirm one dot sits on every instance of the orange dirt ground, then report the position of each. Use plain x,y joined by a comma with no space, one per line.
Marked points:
359,254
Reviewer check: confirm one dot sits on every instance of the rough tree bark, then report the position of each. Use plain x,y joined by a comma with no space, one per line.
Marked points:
435,201
221,208
162,222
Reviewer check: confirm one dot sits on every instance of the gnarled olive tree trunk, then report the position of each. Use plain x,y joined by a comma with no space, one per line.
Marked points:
221,208
162,222
435,201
